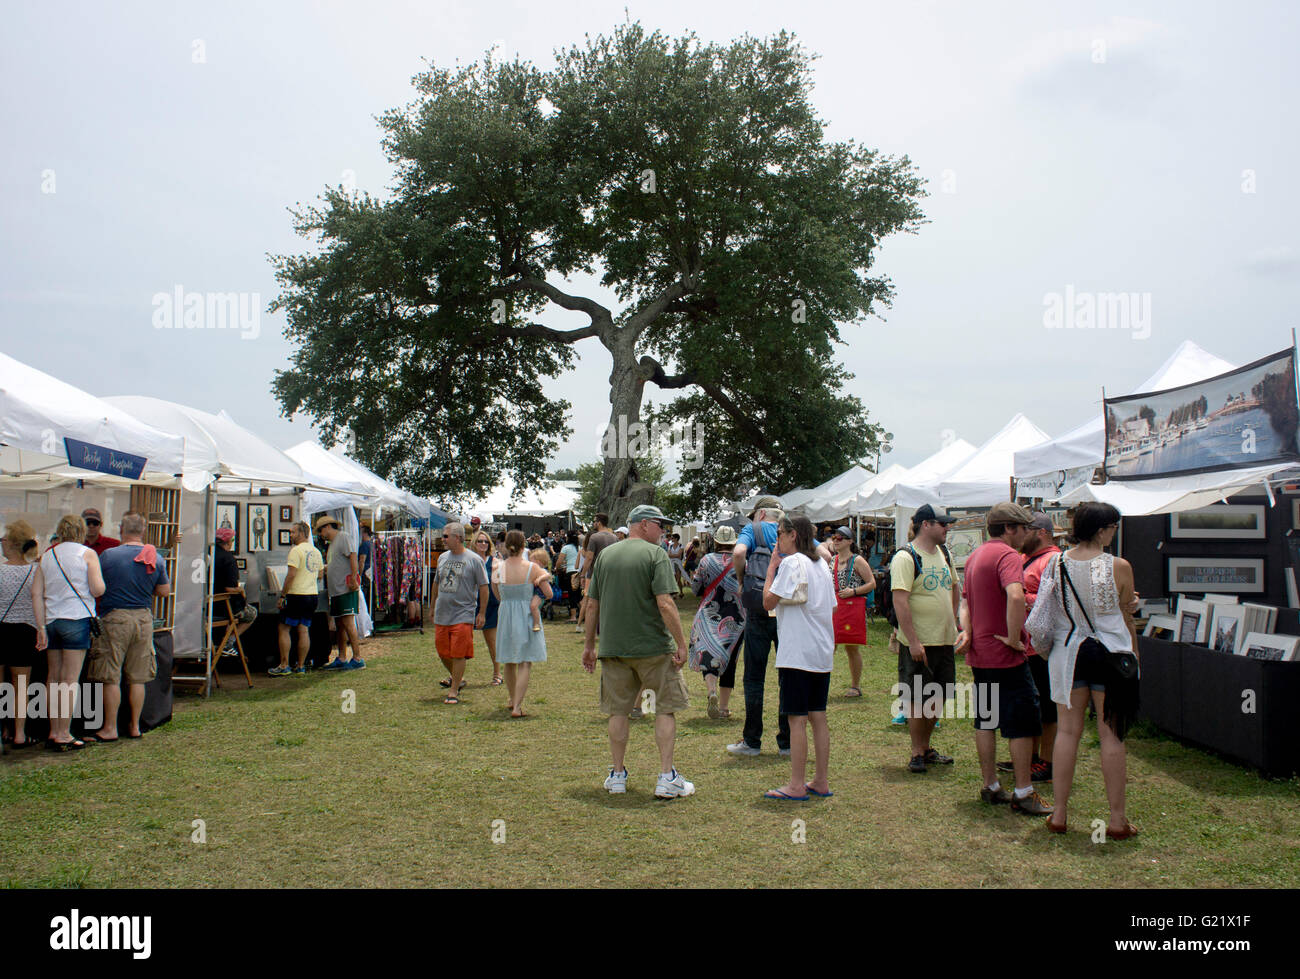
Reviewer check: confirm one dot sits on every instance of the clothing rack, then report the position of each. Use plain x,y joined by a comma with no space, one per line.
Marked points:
385,609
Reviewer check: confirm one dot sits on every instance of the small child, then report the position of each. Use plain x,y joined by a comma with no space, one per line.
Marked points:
540,558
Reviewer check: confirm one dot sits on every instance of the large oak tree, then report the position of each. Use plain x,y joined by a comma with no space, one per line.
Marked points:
694,180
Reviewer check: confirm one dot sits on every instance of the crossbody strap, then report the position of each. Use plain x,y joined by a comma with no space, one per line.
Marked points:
54,551
16,594
1066,575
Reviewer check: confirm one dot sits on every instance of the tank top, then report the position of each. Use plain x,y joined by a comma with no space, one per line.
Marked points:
16,588
61,602
847,576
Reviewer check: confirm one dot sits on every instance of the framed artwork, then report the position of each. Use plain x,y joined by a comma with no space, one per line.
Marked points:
1227,628
259,527
1192,622
1161,627
282,538
228,517
286,514
962,543
1223,521
1200,574
1260,645
241,563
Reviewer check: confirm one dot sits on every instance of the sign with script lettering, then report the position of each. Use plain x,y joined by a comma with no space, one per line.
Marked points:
100,459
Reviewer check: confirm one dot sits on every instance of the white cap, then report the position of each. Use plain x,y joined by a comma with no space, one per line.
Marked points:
621,530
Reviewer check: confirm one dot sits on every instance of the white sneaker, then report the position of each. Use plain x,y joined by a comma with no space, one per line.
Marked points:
616,784
740,748
672,785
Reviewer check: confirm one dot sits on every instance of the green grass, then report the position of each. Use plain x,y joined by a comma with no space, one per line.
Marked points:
405,792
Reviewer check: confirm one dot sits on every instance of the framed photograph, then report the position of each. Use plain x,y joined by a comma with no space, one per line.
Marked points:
1200,574
1223,521
228,517
1227,628
1161,627
241,563
962,542
1260,645
286,514
259,527
1192,624
282,538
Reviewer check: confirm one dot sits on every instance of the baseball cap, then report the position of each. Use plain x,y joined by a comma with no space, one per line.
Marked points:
843,532
225,533
621,530
90,511
766,503
475,521
1009,513
1042,521
928,512
647,512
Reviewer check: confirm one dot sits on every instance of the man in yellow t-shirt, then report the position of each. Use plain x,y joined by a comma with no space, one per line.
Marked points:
299,598
926,604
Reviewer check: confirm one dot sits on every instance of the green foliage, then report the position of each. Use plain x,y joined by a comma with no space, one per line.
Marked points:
695,179
669,496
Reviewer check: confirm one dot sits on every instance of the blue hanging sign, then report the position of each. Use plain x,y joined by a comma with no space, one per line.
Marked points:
100,459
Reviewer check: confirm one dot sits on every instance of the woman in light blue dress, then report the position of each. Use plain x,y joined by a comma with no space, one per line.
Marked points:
518,646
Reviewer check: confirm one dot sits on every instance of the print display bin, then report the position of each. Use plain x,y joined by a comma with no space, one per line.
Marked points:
1211,690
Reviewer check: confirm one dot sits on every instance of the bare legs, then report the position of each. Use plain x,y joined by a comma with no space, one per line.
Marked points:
490,637
517,675
456,668
20,679
1022,750
65,668
347,633
304,645
855,667
1114,769
799,724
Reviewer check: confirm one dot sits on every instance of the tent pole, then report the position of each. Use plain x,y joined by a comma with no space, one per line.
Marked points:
210,557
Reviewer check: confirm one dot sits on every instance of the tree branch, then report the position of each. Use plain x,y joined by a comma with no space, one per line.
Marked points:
654,372
547,333
530,283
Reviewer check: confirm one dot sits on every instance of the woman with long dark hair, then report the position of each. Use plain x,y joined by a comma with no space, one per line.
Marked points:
1086,621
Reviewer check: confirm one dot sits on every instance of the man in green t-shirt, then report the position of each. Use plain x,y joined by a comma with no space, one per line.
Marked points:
926,605
631,596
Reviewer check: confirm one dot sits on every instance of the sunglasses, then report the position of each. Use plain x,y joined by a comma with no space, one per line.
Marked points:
92,522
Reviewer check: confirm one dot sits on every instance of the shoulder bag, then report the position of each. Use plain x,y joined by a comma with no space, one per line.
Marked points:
1122,668
94,619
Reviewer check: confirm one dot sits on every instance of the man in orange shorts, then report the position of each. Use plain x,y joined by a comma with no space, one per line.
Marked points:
460,588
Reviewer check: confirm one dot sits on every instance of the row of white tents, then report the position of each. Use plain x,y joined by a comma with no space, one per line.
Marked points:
206,457
1020,460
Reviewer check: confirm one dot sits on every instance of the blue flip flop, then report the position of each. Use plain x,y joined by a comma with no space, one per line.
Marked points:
820,795
778,794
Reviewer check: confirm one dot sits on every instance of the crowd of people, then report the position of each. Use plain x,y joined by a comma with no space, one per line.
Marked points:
1040,647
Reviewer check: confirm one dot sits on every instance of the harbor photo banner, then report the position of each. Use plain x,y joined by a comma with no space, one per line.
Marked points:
1246,417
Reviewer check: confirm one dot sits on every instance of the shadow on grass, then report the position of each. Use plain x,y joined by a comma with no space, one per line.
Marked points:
899,774
632,799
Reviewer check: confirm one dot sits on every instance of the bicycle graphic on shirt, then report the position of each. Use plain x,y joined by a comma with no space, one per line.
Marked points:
936,578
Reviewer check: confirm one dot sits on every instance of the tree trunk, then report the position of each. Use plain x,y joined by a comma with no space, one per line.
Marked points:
621,488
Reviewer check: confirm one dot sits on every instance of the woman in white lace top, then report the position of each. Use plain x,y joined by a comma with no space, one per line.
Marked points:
1094,589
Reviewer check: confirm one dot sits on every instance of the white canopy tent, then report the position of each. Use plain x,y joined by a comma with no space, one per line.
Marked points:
1071,459
985,478
889,493
555,499
37,412
325,468
822,498
842,502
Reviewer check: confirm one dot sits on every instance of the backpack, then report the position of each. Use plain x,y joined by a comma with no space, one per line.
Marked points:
884,587
756,562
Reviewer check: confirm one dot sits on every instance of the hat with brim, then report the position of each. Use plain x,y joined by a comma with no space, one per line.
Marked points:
928,512
769,503
842,532
324,520
1009,513
725,535
647,512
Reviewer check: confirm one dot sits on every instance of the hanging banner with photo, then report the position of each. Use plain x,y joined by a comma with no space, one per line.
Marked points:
1244,418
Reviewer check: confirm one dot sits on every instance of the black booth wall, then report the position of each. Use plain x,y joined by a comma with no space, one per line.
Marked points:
1147,546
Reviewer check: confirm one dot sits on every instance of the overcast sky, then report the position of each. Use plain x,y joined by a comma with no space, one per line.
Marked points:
1147,149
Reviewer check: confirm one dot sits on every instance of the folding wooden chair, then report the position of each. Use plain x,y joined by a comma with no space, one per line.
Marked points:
210,673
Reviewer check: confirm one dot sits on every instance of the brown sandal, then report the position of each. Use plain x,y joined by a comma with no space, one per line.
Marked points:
1128,832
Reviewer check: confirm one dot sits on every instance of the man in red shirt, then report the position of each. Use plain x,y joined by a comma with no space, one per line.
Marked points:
1037,549
96,541
993,619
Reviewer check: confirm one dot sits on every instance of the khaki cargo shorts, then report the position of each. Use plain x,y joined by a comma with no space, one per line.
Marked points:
622,677
124,648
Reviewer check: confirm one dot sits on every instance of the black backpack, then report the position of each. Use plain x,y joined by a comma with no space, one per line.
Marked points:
884,587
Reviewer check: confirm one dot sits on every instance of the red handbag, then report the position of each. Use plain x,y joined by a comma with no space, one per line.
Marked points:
850,617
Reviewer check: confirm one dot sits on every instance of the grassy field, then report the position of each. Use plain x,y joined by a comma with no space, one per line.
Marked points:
292,791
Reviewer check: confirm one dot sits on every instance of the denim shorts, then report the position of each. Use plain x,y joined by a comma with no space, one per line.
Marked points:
68,634
1089,671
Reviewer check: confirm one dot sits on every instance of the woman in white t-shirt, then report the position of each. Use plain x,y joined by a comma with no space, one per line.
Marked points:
800,588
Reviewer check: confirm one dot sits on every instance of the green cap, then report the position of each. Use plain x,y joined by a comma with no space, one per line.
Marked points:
647,512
